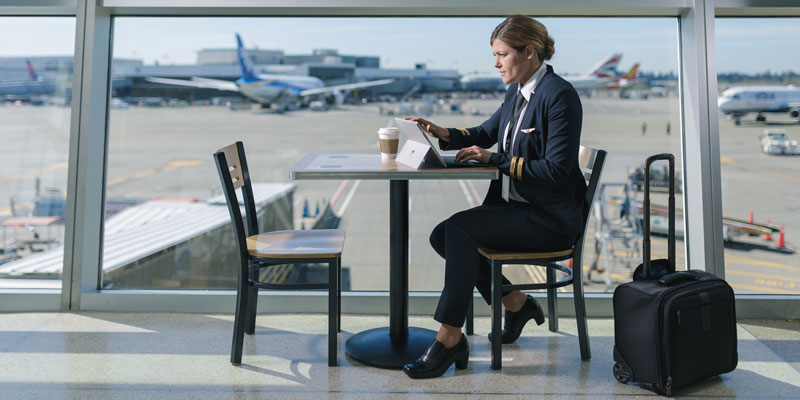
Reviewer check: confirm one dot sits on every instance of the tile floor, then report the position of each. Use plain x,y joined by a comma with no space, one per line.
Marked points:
186,356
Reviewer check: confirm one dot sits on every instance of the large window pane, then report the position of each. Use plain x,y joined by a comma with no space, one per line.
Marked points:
162,132
759,102
35,90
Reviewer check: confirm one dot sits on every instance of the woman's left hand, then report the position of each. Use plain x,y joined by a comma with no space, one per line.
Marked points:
474,153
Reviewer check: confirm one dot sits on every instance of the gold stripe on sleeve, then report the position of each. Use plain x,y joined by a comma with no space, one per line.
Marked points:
519,168
512,167
463,131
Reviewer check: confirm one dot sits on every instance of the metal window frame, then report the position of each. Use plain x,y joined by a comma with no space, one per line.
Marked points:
88,141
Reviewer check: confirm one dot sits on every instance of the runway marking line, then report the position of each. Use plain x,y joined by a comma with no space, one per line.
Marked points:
182,163
338,192
349,197
538,275
753,261
729,160
465,190
472,191
115,181
144,174
52,168
760,275
762,289
170,166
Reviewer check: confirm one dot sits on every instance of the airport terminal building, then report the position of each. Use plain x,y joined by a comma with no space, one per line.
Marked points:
325,64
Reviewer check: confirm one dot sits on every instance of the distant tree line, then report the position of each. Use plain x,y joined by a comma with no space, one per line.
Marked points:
778,78
658,76
733,78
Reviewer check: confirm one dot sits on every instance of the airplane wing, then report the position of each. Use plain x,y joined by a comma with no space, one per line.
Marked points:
196,82
20,83
349,86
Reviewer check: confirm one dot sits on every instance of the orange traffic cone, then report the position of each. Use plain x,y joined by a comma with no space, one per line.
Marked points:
569,263
750,217
781,239
767,236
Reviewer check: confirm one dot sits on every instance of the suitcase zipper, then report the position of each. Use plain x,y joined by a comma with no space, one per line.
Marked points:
668,370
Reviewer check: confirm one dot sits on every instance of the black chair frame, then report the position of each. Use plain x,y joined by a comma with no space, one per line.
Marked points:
551,265
250,266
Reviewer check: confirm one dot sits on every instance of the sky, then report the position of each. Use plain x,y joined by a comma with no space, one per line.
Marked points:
743,45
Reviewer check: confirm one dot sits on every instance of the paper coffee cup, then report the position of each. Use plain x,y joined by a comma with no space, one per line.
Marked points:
389,140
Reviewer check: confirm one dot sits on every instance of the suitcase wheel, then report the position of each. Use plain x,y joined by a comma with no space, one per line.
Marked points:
622,375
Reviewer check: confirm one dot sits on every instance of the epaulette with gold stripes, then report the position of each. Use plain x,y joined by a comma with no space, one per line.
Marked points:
515,171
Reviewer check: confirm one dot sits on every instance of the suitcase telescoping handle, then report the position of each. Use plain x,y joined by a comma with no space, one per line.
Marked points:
646,209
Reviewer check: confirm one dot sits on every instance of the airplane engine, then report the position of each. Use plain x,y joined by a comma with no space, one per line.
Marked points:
336,97
795,113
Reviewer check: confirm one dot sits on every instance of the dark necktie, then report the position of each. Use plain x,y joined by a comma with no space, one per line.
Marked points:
519,105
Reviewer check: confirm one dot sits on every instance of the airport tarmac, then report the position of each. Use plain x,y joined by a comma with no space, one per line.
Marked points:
166,152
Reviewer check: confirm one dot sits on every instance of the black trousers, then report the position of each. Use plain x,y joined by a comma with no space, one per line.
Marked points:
499,227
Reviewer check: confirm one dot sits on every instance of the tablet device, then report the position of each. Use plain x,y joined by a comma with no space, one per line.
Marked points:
414,132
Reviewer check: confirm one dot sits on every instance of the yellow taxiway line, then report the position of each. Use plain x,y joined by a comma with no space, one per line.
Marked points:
54,167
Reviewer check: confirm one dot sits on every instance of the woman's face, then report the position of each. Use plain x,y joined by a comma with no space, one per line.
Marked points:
512,64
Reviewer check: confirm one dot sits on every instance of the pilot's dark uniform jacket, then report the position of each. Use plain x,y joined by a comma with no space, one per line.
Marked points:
538,208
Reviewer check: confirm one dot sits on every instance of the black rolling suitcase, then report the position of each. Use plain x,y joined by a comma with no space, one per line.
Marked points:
672,328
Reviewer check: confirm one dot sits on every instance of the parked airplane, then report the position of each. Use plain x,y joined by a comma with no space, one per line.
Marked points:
737,101
33,85
266,90
598,76
602,75
483,82
625,81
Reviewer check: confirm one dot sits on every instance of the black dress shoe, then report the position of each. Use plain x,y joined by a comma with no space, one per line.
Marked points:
515,321
438,359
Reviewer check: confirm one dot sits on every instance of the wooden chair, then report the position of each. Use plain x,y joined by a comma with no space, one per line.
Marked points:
590,160
260,250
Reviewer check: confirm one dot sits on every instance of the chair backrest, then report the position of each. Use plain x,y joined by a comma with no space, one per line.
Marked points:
591,163
233,174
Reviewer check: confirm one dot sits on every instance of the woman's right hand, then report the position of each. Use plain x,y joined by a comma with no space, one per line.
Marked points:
432,129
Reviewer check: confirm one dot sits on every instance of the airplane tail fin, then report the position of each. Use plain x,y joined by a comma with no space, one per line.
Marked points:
31,72
245,62
632,73
606,68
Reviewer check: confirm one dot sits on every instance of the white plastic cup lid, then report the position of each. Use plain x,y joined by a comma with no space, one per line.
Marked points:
389,132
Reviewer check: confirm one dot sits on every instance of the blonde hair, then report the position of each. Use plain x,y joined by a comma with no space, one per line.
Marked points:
519,31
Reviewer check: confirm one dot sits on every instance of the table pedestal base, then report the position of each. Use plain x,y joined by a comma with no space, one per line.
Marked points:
374,347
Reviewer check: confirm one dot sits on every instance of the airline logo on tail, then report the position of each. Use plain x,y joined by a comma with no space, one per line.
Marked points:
245,62
606,68
31,71
634,71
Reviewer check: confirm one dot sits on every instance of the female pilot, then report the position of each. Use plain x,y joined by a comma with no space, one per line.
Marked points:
537,205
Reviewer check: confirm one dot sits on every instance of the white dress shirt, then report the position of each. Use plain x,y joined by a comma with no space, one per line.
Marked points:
527,90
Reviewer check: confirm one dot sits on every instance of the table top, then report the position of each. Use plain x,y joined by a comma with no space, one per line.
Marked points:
371,166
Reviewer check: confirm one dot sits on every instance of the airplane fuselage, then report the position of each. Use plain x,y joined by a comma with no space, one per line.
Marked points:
746,99
269,89
587,82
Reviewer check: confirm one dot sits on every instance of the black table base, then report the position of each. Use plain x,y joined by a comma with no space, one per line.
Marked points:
398,344
374,347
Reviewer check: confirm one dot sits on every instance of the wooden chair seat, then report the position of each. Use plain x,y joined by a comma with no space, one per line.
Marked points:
513,255
315,243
